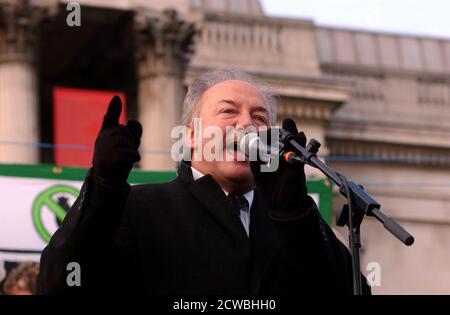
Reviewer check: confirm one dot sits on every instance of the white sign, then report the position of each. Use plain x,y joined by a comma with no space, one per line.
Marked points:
31,211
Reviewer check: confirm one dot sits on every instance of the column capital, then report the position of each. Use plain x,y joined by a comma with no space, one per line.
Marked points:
19,21
165,42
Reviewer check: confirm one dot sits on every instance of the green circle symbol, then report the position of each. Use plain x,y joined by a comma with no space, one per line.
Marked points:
45,198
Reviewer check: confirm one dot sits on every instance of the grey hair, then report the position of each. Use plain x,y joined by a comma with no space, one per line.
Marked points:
202,83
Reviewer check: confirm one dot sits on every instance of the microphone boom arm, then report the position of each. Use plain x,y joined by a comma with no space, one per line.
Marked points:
360,203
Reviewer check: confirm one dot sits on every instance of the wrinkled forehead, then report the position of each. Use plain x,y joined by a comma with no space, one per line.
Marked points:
240,92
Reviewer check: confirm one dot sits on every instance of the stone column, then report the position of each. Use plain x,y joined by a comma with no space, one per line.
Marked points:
19,129
164,46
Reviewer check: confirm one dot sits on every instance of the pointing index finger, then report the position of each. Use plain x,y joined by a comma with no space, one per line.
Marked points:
113,112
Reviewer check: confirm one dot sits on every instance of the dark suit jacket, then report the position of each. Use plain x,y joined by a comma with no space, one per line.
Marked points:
183,237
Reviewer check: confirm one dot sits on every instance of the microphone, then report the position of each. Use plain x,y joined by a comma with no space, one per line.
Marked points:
252,145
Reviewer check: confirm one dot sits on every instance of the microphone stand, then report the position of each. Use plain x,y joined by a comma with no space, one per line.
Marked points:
359,203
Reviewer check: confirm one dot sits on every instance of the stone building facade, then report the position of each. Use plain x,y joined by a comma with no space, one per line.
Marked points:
378,102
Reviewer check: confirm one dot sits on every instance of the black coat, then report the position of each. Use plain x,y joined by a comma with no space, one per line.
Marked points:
183,237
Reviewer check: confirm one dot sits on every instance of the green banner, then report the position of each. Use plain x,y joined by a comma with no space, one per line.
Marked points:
319,189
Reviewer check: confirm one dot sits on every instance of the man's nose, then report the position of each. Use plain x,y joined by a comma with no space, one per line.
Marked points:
245,120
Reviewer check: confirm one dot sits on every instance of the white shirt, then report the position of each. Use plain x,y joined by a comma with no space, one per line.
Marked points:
244,215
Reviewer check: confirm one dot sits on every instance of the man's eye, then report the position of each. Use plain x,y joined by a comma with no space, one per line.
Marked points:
228,111
261,119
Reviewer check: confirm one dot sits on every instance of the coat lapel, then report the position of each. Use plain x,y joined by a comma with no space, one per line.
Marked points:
263,239
214,200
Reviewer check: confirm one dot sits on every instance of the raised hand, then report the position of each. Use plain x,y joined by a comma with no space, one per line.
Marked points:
116,146
285,189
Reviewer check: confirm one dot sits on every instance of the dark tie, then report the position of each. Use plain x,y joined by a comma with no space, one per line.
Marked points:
238,202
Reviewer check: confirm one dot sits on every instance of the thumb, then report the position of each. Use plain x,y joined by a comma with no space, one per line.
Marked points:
113,113
135,129
289,125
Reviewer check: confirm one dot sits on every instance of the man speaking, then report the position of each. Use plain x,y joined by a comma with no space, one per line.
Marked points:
221,227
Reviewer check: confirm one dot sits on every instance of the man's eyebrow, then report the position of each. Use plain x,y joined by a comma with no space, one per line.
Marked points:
260,109
255,109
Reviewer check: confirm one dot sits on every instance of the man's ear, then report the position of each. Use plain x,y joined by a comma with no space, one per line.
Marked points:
190,136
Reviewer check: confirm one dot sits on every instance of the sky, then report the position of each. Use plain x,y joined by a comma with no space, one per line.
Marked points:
416,17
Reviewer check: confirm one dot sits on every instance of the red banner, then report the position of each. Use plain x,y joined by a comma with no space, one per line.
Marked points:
77,117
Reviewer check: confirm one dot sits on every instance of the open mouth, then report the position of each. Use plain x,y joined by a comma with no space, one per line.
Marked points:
234,153
232,148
